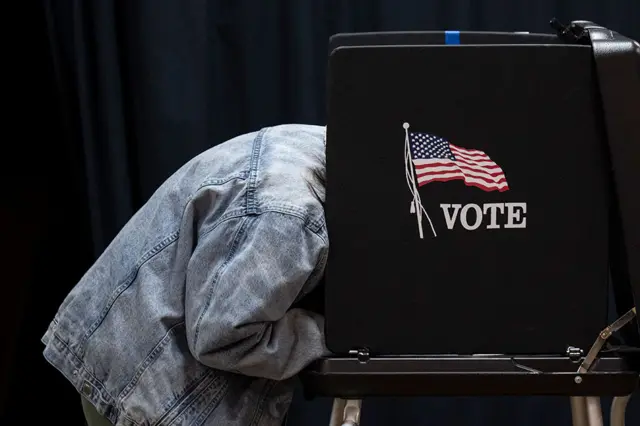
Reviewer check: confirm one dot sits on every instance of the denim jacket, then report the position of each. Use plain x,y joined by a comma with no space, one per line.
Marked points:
187,318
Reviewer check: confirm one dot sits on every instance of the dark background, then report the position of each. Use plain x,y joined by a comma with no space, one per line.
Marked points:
105,99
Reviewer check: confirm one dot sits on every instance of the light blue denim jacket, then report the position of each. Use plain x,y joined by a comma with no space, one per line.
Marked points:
186,317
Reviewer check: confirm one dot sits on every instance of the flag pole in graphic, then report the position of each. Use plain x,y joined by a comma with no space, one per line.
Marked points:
416,203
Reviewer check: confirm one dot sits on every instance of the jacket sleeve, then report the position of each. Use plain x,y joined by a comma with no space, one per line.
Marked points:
241,282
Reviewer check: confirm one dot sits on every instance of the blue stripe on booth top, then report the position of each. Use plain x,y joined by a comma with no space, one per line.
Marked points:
452,37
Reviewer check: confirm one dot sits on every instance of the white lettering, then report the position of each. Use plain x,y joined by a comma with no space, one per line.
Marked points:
493,207
464,220
515,215
448,218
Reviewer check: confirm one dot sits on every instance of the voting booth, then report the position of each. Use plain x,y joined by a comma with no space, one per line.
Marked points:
482,208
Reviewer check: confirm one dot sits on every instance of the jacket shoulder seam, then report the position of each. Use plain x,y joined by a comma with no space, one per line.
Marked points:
253,172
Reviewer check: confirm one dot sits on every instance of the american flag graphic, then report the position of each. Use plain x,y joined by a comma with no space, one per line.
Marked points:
437,160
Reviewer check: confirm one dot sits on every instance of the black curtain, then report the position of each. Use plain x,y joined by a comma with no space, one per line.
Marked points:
45,239
124,92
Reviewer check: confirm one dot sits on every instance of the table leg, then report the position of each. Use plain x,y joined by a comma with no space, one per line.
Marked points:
352,412
337,412
345,412
579,411
594,411
618,410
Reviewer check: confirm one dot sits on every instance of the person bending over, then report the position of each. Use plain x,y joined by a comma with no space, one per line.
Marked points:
189,316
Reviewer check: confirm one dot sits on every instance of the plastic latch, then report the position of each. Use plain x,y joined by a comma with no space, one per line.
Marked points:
574,354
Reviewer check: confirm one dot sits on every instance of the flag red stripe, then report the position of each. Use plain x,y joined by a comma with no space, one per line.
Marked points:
469,154
480,169
477,185
435,164
466,151
488,181
471,157
437,173
489,165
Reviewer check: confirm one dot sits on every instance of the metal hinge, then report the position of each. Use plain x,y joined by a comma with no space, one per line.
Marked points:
361,354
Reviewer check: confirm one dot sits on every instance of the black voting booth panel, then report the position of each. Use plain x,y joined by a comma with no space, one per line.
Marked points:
541,111
503,267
